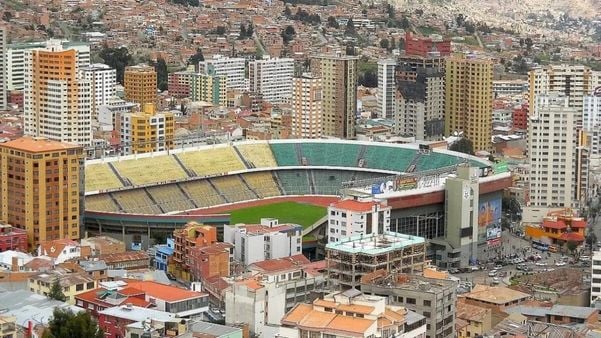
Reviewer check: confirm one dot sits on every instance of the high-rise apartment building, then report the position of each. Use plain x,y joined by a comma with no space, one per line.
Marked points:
306,107
103,80
596,278
146,131
3,64
58,100
572,81
140,84
420,105
232,68
338,75
553,140
468,99
42,188
591,122
16,58
272,77
209,88
178,83
386,88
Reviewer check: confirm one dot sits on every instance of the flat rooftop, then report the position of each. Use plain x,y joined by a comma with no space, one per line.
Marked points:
375,244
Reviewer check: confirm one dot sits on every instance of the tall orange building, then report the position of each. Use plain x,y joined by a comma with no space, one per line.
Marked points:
58,101
41,188
191,236
140,84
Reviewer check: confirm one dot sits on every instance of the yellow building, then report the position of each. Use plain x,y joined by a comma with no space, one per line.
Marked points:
468,100
72,284
338,75
41,188
478,320
306,107
140,84
209,88
8,326
147,131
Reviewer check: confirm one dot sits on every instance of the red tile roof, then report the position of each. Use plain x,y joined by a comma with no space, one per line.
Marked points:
164,292
92,297
55,248
572,236
578,223
559,224
353,205
281,264
37,145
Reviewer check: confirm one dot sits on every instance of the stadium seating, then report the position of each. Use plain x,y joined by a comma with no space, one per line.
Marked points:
170,198
211,161
333,154
101,202
259,155
285,154
202,193
150,170
388,158
136,201
294,182
262,183
100,177
329,182
435,160
233,188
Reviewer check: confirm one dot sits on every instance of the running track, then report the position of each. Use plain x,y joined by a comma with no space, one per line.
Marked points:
323,201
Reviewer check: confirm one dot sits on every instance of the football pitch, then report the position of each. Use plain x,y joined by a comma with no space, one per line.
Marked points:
286,212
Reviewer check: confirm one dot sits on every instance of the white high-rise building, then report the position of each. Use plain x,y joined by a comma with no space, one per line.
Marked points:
596,277
591,122
573,81
552,150
104,80
58,100
3,85
272,77
386,88
232,68
16,55
350,217
306,107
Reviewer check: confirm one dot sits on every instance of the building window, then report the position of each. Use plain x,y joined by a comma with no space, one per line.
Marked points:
427,303
410,300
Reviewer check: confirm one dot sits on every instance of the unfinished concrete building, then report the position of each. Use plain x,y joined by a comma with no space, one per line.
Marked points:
353,257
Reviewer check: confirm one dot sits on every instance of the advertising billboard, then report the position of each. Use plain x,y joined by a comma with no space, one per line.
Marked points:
396,184
489,218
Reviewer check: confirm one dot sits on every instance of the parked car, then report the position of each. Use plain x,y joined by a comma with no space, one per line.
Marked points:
561,263
492,273
453,270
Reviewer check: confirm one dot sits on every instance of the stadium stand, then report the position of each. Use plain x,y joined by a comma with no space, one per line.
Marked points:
211,161
150,170
202,193
233,188
435,160
101,202
136,201
334,154
101,177
262,183
388,158
285,154
259,155
329,182
294,182
170,198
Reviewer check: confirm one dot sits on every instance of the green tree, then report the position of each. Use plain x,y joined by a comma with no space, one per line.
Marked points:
196,58
162,74
332,22
56,291
384,43
243,32
117,58
571,245
350,28
368,79
528,43
66,324
250,30
288,34
463,145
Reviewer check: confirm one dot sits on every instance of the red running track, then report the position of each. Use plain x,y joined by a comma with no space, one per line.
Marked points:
323,201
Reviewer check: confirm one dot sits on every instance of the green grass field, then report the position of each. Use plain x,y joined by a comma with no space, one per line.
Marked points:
285,212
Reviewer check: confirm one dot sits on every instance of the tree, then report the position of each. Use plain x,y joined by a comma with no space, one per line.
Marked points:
332,22
220,30
384,43
162,74
463,145
392,44
7,16
288,34
64,323
350,28
521,43
528,43
242,32
196,58
571,245
368,79
470,28
117,58
591,239
56,291
250,30
460,19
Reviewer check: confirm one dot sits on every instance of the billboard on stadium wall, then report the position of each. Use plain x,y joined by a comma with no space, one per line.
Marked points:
396,184
489,218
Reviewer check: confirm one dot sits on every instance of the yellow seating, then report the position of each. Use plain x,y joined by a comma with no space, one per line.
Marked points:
102,202
150,169
170,198
212,161
100,176
259,155
136,202
233,188
202,193
262,183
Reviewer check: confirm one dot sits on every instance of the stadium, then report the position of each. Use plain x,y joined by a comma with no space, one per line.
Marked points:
133,197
